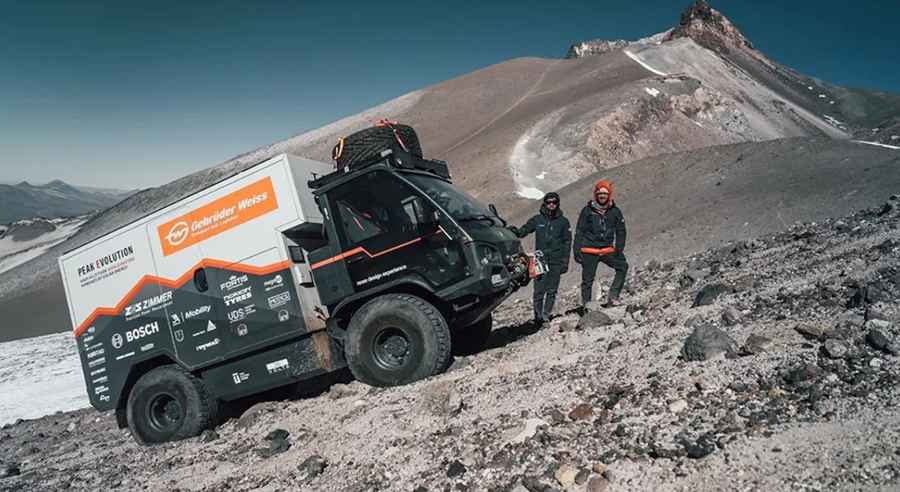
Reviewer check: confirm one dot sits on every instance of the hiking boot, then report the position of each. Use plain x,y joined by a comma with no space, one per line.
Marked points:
612,303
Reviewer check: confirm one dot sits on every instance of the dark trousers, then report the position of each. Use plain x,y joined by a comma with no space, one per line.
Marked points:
589,265
545,288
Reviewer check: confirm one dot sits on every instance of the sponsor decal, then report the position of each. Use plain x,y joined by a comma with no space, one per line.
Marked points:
379,276
151,328
218,216
104,398
283,315
176,320
198,333
147,347
98,371
234,282
277,366
88,339
193,313
97,362
179,336
210,326
101,379
105,266
241,330
274,283
125,356
95,353
208,345
238,296
279,300
151,304
91,329
117,341
101,389
240,377
241,313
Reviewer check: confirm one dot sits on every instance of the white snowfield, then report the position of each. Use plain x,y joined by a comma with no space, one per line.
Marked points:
878,144
14,253
40,376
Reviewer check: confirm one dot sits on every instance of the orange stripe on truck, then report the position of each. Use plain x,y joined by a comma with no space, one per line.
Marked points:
599,251
176,283
218,216
358,250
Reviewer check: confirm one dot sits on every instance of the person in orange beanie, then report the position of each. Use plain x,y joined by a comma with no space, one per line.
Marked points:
600,238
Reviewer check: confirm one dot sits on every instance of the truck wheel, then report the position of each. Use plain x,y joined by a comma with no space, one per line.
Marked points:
397,339
468,340
168,404
368,143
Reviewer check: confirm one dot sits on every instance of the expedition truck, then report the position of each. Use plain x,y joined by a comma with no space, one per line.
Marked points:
286,271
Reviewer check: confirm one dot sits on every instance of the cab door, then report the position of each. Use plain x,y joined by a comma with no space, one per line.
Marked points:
387,231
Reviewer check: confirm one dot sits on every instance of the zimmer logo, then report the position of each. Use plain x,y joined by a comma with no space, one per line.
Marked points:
178,233
220,215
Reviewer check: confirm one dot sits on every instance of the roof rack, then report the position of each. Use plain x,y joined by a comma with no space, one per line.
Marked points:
393,157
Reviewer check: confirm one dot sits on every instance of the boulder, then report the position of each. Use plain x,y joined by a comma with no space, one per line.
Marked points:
707,342
709,293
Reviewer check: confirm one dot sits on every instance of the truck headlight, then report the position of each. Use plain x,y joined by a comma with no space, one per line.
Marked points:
488,255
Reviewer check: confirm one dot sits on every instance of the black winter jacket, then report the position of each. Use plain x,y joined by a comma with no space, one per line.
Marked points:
598,230
553,236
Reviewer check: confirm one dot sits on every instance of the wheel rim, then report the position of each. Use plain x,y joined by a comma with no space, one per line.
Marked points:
391,348
164,413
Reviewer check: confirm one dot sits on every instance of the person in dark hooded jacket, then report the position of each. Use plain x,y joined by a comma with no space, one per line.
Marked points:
600,238
553,238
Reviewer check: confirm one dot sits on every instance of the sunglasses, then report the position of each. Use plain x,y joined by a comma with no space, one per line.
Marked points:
552,202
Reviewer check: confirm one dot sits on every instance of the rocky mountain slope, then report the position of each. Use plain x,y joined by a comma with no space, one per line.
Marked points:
54,199
24,239
763,364
517,129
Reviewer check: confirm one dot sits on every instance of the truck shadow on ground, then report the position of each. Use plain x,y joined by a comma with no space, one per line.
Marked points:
321,385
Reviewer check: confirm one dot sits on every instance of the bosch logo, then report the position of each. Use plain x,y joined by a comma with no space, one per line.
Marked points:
178,233
117,341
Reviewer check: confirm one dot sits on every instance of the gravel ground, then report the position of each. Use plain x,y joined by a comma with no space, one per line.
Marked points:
765,364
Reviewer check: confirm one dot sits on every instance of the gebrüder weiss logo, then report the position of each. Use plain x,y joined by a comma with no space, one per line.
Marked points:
222,214
178,233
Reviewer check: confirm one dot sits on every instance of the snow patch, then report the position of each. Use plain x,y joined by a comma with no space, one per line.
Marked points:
13,253
644,64
833,121
653,92
542,175
40,376
822,96
810,87
529,192
878,144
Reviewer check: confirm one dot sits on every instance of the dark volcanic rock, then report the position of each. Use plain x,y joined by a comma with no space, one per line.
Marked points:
209,436
456,469
277,434
276,446
880,341
312,467
9,470
709,293
802,373
707,342
593,319
835,349
701,448
756,344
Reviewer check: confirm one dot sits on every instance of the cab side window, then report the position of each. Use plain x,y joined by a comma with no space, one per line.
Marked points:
377,207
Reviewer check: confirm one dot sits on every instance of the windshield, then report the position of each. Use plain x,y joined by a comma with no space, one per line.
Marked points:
456,202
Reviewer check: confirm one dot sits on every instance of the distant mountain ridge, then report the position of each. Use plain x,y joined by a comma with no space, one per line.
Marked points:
54,199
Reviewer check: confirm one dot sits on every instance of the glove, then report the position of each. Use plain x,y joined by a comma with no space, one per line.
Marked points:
578,258
514,229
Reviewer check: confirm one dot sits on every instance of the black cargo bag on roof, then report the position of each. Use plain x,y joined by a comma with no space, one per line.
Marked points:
367,145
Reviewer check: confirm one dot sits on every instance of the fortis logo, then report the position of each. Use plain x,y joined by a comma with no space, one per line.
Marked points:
178,233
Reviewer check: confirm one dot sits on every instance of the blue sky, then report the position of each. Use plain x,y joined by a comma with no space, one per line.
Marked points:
132,95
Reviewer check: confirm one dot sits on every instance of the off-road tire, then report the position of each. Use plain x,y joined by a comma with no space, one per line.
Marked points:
368,143
469,340
396,339
187,406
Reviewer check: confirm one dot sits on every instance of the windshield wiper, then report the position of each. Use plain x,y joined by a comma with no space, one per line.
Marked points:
470,218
